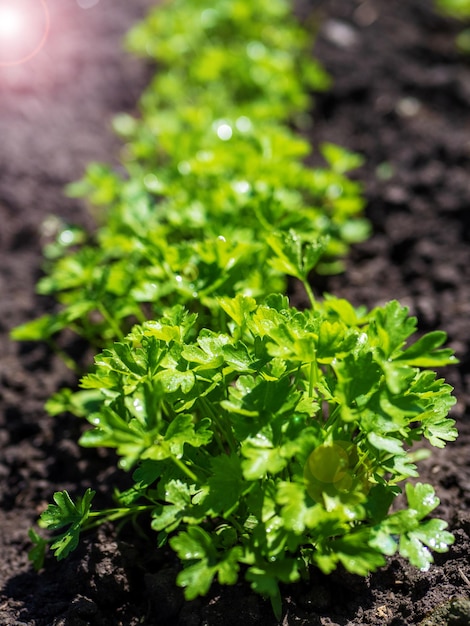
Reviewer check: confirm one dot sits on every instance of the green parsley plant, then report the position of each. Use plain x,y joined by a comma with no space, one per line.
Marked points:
210,171
274,445
261,440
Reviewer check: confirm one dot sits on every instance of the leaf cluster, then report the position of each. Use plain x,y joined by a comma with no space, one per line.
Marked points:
278,443
261,439
211,175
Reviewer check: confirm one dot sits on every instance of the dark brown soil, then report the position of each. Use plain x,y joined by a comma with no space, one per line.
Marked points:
401,97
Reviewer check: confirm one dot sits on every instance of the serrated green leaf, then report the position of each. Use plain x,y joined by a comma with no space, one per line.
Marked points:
390,327
288,254
171,380
389,444
265,578
168,516
239,358
425,353
294,257
433,534
238,308
197,545
421,498
261,459
196,579
193,544
112,430
296,513
66,513
208,354
39,329
411,547
225,485
181,430
354,551
439,431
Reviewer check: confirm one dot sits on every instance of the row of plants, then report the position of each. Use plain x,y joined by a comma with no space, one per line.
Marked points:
262,439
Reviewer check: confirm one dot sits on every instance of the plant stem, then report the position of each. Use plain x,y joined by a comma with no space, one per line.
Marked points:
309,293
191,475
110,515
313,378
226,433
104,312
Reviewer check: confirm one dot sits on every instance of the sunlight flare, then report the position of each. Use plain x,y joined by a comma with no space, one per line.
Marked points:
11,22
24,28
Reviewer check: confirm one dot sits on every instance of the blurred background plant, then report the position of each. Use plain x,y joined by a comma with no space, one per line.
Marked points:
460,9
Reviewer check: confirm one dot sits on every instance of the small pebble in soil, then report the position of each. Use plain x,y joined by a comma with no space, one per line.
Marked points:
339,33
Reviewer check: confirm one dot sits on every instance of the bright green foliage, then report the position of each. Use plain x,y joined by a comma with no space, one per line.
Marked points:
459,9
276,444
65,514
456,8
229,54
211,176
262,439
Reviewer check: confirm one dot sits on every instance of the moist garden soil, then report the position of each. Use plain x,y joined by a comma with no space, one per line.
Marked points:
401,97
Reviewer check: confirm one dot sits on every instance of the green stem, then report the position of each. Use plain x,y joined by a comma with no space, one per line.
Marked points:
110,515
313,378
184,468
227,434
140,315
238,527
309,292
332,418
104,312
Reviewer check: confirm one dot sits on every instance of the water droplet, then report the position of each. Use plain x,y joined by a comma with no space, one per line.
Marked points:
66,237
361,340
244,124
184,168
241,186
255,50
152,183
138,406
335,191
209,18
154,325
430,501
204,156
224,131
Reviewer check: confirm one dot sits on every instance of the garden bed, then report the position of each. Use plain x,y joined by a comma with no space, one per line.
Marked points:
401,97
